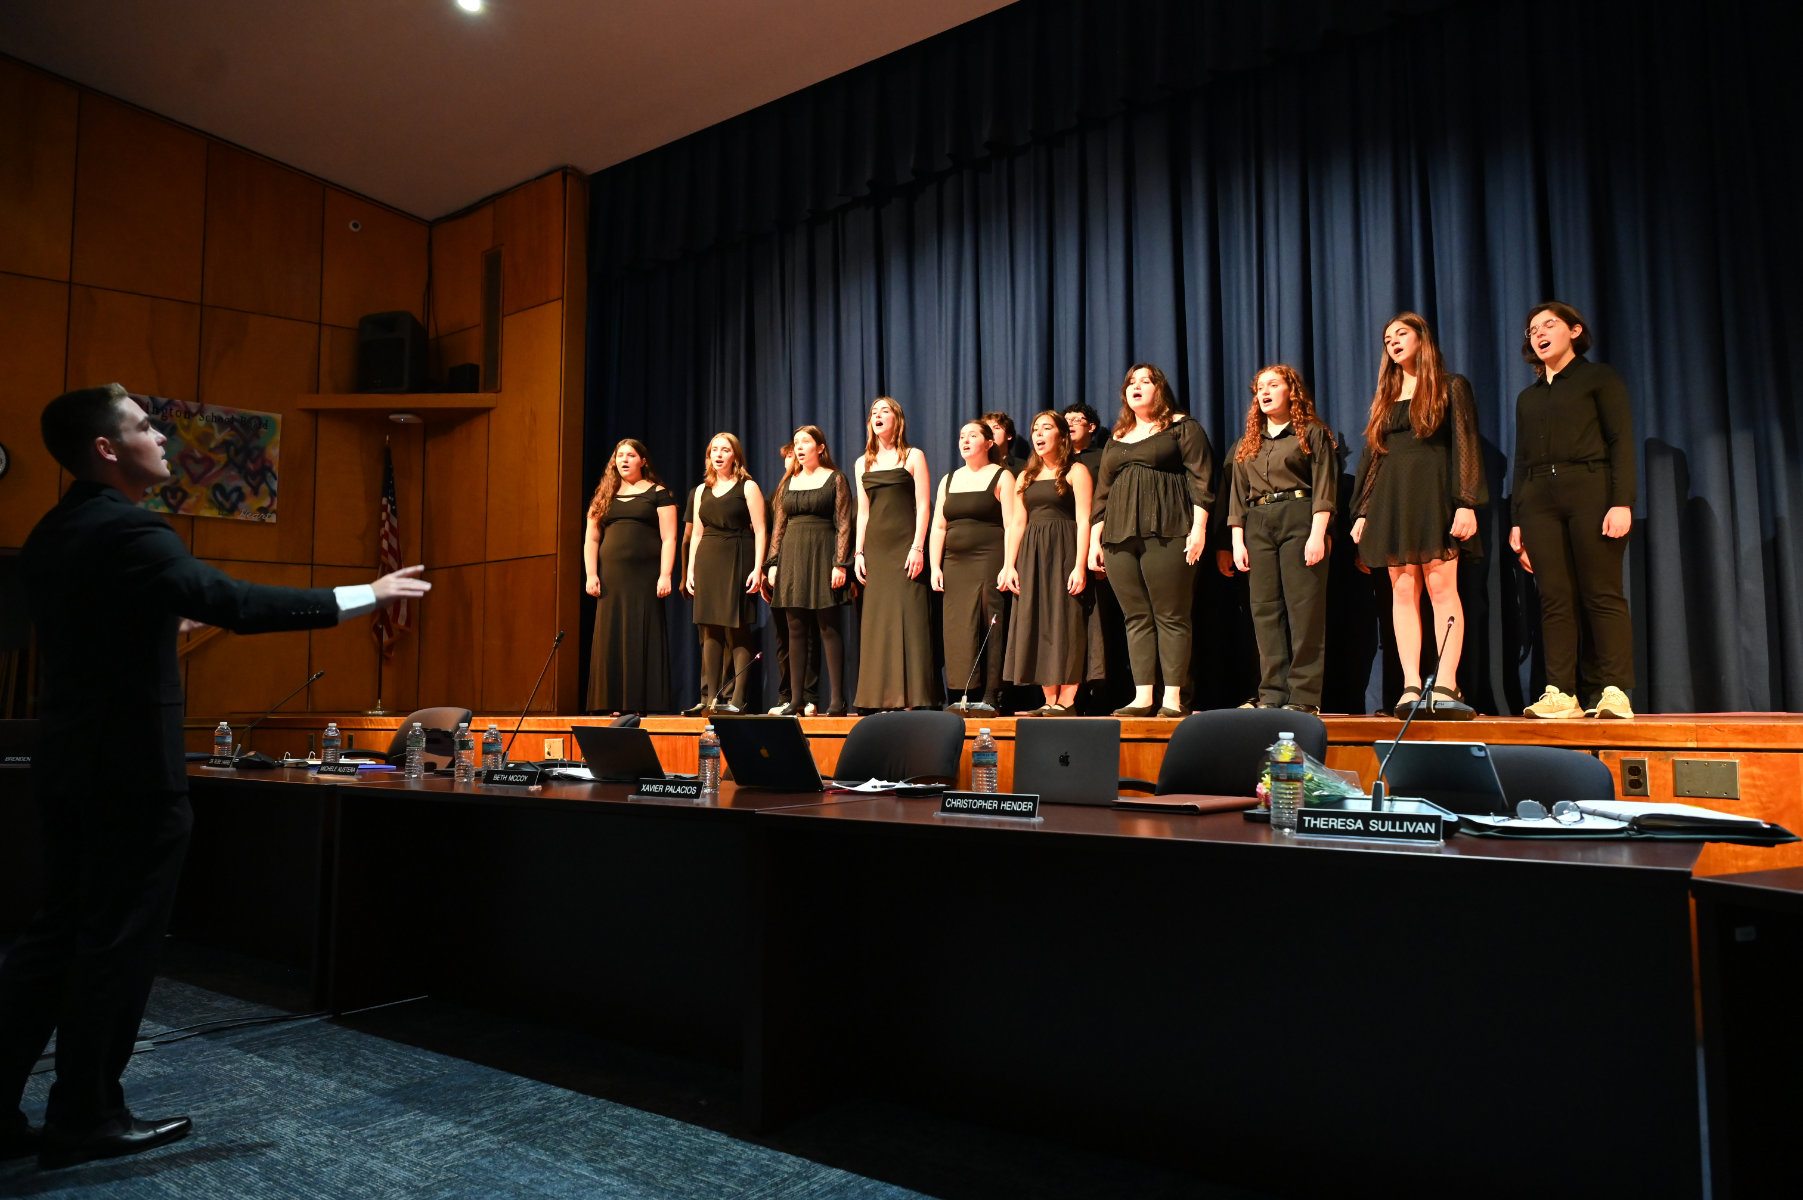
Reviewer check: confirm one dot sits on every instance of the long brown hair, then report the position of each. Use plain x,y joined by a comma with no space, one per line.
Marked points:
610,478
1427,408
991,451
826,455
901,433
1035,464
738,459
1162,409
1302,412
1565,313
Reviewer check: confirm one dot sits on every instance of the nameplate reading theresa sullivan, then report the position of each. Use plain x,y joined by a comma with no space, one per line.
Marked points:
1386,826
671,789
339,768
990,804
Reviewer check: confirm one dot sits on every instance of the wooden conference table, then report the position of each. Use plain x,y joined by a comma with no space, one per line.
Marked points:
1478,1018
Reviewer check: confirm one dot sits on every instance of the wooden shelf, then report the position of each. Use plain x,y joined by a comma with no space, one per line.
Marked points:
429,405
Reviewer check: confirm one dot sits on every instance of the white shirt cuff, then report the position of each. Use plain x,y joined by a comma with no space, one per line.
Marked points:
354,600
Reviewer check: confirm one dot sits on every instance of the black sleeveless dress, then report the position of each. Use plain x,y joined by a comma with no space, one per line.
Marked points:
724,560
1048,637
975,541
629,660
895,648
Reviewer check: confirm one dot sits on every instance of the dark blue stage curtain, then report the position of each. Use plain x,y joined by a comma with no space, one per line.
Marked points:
1009,215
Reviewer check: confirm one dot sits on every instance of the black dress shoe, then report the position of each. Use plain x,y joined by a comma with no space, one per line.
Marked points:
110,1139
1304,708
695,710
20,1141
1172,712
1130,711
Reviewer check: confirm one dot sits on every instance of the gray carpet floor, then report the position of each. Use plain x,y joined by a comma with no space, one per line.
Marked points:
429,1100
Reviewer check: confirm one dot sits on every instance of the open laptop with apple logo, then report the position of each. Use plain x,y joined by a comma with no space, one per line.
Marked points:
1068,760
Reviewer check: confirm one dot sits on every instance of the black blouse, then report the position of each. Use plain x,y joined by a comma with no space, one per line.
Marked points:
1582,416
1280,466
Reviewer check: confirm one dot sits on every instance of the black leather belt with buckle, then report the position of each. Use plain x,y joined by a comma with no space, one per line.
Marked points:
1555,468
1272,497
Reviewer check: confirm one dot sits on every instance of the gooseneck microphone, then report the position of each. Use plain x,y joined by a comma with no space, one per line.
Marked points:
262,762
1427,689
555,643
965,705
732,684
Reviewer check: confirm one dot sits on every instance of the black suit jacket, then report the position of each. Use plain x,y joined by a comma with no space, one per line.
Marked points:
107,584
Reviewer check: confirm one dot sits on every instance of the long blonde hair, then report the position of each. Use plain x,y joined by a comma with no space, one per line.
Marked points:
901,433
610,478
738,459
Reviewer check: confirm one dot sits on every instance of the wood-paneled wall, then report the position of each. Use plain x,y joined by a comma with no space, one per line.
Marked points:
136,250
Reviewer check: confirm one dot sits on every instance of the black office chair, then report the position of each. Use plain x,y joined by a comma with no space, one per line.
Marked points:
1550,774
1221,752
441,731
915,745
624,721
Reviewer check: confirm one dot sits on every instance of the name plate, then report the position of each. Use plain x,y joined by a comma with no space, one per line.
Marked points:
16,760
511,777
223,761
990,804
1385,826
339,768
671,789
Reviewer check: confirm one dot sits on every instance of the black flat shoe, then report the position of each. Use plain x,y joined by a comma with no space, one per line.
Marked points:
1130,711
837,710
1172,712
110,1139
1304,708
696,710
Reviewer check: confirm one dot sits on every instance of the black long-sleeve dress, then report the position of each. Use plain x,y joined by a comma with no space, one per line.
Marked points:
1407,494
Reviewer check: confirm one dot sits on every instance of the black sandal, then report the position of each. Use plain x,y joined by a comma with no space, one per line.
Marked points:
1404,704
1453,707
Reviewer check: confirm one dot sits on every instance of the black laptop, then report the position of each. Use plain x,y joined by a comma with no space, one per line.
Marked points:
618,755
768,752
1458,776
1068,760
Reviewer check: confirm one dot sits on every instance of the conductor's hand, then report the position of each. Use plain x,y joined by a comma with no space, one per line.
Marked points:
404,584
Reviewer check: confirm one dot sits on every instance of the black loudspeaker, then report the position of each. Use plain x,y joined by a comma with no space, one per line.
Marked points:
391,353
464,377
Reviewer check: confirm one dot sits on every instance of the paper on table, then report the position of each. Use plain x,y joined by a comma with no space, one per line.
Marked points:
869,785
1625,810
571,773
1590,824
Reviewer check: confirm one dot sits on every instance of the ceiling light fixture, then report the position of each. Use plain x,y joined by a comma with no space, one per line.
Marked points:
470,6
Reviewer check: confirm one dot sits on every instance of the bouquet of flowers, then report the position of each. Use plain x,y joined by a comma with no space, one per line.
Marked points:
1320,783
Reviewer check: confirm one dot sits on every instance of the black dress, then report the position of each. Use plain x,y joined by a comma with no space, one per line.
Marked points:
724,560
975,542
1048,637
895,656
811,537
1408,494
629,665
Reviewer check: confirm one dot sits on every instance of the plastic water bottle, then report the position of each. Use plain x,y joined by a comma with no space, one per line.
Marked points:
492,757
416,752
463,764
710,761
1287,771
331,743
983,757
222,741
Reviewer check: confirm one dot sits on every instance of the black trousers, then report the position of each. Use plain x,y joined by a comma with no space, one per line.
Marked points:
1578,574
1289,603
1155,587
84,967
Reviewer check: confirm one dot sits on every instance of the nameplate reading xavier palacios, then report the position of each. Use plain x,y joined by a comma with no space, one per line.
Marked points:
224,762
671,789
1023,806
1385,826
339,768
511,777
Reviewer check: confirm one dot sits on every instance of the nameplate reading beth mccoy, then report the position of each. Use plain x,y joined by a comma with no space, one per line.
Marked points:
507,777
671,789
1386,826
990,804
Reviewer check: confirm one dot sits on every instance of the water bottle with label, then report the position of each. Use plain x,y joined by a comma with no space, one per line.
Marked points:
222,741
983,758
710,762
331,743
1287,771
463,764
492,757
416,753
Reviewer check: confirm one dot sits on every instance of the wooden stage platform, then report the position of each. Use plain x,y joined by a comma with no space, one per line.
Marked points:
1767,746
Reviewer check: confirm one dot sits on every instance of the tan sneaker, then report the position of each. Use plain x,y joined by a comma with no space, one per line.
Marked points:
1613,705
1555,705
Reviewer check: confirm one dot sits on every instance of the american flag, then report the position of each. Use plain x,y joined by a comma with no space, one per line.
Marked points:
397,616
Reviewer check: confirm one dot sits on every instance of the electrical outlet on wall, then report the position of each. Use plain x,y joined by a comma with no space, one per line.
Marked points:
1633,777
553,747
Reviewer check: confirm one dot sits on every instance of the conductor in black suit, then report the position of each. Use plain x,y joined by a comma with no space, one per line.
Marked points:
109,585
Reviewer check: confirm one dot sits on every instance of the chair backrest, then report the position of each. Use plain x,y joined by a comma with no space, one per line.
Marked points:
1550,774
1222,752
441,728
902,745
